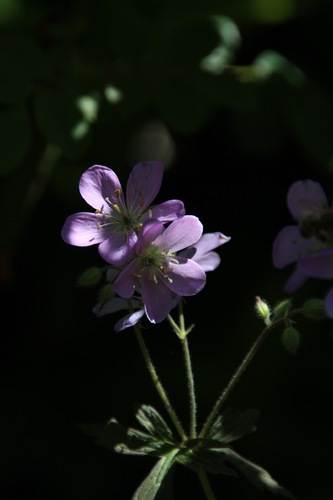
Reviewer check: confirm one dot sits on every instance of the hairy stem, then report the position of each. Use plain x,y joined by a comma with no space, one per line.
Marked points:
206,486
157,383
191,391
239,372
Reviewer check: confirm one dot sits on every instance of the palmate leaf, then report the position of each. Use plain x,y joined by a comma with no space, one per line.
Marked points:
158,442
152,421
233,424
149,488
259,476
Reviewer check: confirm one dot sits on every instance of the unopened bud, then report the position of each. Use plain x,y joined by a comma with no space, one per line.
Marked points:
263,310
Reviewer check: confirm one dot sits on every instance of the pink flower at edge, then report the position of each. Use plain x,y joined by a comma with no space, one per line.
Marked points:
309,244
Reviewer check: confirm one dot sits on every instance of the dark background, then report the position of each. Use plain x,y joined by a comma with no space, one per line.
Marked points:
232,138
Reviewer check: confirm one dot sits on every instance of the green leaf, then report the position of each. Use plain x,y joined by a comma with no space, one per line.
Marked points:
290,339
110,434
128,441
233,424
205,454
148,489
59,120
152,421
314,309
259,476
21,60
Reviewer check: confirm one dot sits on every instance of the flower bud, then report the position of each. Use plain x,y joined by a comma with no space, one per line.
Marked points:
263,310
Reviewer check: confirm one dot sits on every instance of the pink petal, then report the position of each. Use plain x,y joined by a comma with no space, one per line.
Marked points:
82,229
98,183
118,248
295,281
290,245
186,278
144,182
157,299
181,233
306,197
329,303
319,265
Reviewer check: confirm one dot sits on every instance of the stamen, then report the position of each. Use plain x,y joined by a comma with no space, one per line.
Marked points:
117,192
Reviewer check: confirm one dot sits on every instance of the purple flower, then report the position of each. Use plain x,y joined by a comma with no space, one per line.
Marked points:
157,272
117,219
309,244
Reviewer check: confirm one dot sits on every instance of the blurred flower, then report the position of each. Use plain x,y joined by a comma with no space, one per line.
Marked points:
118,219
157,272
309,244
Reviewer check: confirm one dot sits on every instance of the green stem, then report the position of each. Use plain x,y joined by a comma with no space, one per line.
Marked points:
160,389
206,486
191,391
239,372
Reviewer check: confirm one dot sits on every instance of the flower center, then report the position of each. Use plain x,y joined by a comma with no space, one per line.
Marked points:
123,219
319,226
153,262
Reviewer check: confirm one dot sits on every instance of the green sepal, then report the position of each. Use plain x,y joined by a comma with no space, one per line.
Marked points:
291,339
106,293
233,424
314,309
282,309
89,277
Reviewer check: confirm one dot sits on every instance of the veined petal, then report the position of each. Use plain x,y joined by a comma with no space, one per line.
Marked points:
319,265
295,281
181,233
144,182
208,242
168,211
306,197
329,303
157,299
124,285
98,183
290,245
148,233
129,320
185,278
83,229
118,248
209,261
